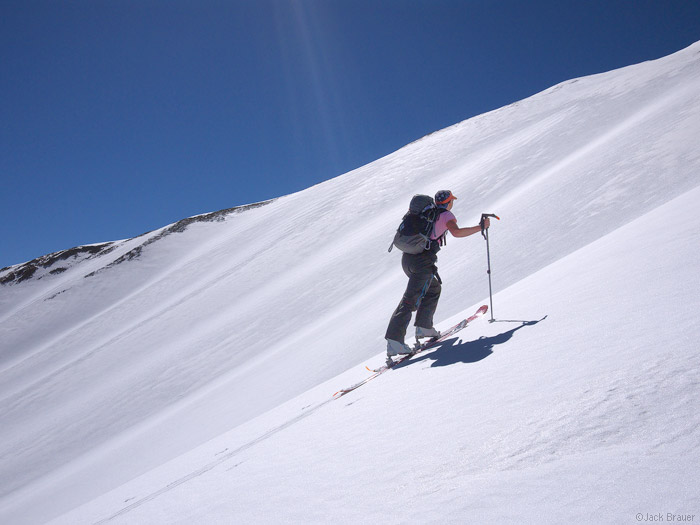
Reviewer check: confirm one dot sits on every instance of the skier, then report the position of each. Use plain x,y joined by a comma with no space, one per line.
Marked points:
424,284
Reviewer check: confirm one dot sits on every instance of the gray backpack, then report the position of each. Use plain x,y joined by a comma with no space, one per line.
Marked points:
413,234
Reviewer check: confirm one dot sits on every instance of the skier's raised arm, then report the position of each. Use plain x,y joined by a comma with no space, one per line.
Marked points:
456,231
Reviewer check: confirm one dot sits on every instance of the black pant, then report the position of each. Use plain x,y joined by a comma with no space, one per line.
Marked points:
422,294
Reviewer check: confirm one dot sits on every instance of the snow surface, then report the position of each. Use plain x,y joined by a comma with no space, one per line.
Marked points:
193,383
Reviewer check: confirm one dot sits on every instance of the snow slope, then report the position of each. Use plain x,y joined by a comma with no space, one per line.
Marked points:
588,412
191,382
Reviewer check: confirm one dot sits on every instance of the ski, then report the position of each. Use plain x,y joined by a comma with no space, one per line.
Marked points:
417,350
433,342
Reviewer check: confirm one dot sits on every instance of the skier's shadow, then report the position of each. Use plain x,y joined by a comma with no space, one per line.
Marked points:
452,351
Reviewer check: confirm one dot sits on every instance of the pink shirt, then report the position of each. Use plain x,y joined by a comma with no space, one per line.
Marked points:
441,224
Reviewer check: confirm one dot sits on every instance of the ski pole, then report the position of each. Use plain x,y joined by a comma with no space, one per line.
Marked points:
485,233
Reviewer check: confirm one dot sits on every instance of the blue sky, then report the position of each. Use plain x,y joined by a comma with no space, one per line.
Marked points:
118,117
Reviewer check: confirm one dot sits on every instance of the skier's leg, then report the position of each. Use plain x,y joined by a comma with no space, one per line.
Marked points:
418,285
427,307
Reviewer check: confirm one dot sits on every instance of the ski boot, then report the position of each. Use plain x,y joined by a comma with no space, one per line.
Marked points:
394,348
430,333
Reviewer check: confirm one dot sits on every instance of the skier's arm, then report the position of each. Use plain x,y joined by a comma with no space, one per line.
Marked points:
456,231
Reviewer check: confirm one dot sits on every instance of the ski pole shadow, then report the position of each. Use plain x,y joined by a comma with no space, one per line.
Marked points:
452,351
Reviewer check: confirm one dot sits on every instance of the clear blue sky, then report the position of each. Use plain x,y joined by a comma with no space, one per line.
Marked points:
121,116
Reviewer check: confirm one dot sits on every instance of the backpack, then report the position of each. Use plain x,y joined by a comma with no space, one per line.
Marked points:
413,234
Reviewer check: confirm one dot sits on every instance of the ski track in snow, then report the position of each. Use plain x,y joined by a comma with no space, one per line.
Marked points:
223,457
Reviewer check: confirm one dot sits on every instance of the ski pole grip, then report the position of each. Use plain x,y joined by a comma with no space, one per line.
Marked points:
483,220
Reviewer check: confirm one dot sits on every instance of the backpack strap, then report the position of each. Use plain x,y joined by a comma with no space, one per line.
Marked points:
442,240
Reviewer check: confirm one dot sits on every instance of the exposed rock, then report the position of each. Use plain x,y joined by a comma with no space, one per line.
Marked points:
28,270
